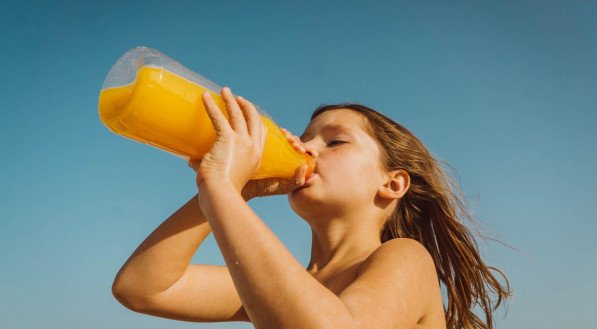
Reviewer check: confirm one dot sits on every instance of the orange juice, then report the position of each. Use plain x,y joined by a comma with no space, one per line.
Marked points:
165,110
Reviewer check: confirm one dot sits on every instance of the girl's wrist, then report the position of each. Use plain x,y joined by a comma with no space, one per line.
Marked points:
217,186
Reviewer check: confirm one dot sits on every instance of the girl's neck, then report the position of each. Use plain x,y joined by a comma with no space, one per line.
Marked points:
340,247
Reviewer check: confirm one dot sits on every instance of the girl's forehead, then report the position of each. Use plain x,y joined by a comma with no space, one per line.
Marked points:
336,120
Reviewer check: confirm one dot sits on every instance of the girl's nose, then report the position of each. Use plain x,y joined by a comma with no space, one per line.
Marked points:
311,151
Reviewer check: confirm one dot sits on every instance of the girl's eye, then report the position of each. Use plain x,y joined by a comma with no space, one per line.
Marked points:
335,142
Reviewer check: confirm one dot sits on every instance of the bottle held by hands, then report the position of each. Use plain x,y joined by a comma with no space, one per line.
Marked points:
152,99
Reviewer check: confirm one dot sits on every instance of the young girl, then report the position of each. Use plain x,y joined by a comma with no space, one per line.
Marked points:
385,234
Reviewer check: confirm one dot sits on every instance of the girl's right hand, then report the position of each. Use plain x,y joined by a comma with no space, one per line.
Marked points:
273,186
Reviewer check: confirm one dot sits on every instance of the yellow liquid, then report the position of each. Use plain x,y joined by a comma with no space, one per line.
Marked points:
165,110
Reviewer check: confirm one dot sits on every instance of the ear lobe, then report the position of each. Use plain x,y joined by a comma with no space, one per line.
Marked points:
396,184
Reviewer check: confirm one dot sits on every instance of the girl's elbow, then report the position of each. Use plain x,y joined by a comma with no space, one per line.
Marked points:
129,298
126,295
121,293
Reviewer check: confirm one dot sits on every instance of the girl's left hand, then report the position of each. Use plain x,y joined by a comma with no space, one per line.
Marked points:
236,153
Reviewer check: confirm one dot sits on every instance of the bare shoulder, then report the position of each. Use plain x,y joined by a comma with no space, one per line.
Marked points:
400,254
401,261
400,278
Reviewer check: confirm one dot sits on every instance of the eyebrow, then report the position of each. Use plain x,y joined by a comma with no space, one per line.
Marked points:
333,127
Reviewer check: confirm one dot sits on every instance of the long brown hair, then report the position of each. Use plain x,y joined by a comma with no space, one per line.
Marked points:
432,212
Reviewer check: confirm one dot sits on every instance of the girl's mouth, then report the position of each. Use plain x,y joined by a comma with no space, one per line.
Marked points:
310,178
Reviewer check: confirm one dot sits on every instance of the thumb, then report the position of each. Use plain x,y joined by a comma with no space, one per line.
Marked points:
300,175
194,164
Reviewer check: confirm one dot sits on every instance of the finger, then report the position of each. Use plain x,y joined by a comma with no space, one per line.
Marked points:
194,164
237,120
215,114
298,146
288,134
295,141
255,126
263,134
299,175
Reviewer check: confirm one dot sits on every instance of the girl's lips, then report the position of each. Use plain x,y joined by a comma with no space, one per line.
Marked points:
310,178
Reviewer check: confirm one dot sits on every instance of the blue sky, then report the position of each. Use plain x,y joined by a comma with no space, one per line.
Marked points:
504,91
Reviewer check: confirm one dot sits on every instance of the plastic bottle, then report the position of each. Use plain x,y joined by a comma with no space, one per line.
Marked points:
152,99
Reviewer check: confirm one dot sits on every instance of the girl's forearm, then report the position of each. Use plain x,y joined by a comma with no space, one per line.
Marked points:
165,254
276,291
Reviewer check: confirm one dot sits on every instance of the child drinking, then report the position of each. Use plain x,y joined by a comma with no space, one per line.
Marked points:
386,234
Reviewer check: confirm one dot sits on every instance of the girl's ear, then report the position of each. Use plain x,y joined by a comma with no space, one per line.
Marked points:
395,184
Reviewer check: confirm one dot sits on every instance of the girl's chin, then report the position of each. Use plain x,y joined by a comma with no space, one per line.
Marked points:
300,194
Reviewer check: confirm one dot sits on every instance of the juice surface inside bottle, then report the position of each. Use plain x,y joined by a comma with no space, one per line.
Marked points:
166,110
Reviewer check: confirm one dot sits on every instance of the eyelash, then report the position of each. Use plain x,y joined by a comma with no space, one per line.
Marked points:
333,142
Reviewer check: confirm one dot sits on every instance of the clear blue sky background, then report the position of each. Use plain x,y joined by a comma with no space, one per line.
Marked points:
504,91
